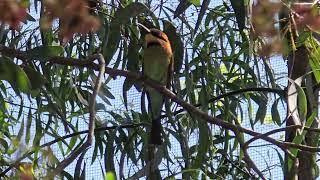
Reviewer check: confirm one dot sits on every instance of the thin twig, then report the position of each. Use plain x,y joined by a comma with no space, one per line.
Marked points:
270,133
246,158
280,92
87,144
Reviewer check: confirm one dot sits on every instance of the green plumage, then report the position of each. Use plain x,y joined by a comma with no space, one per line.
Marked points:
157,66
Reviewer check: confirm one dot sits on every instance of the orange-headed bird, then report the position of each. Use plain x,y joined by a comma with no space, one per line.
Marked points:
158,66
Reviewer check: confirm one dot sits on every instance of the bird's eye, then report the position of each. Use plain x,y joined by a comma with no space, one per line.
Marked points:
155,33
158,35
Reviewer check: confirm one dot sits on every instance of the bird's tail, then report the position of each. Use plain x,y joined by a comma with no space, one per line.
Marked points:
156,100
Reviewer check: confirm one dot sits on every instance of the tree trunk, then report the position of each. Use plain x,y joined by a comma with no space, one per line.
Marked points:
305,166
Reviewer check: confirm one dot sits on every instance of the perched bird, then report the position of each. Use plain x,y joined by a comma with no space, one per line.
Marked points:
158,66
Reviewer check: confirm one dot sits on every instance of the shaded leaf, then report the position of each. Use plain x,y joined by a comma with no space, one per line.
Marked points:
122,16
44,52
302,103
300,137
275,113
77,171
30,18
14,74
66,175
315,63
240,11
182,7
176,44
28,126
203,145
261,113
204,7
125,88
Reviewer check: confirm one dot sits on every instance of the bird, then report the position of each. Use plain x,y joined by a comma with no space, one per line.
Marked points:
158,66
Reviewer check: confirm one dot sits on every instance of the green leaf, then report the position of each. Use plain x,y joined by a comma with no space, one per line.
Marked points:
110,176
28,126
261,113
204,7
182,7
3,144
66,175
315,63
302,103
44,53
14,74
275,113
125,88
109,152
195,2
24,3
77,171
299,138
240,11
121,16
133,51
72,143
37,80
203,145
176,44
39,133
21,130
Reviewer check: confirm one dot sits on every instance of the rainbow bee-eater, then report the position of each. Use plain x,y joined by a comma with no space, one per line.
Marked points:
158,66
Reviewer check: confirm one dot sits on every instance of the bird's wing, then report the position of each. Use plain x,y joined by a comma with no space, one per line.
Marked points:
170,72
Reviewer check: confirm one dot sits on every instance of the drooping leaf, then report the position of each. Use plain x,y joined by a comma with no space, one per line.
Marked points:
182,7
66,174
240,11
203,145
261,113
204,7
14,74
300,137
28,126
315,63
302,103
133,52
30,18
122,16
275,113
77,174
44,53
176,44
3,144
39,132
37,80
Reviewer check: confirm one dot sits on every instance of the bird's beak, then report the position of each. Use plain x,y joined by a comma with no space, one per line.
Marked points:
144,27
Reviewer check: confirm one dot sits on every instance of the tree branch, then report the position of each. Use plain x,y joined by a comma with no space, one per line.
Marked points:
136,77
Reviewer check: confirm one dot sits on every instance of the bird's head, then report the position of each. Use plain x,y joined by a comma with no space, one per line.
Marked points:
155,37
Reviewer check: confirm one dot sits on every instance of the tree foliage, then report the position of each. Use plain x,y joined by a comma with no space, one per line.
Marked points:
224,86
